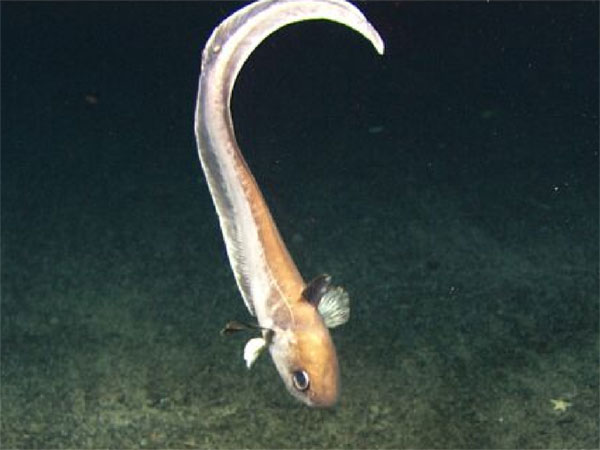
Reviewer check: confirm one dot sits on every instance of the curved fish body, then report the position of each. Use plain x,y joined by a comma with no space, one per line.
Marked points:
293,316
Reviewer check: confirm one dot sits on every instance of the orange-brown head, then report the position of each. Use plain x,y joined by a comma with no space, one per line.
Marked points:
306,359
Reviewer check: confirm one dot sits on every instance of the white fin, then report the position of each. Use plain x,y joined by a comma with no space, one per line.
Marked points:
334,307
254,347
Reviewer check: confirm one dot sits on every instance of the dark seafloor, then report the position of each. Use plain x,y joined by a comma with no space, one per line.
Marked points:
451,186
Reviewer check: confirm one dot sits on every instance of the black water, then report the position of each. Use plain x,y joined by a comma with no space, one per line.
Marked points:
451,186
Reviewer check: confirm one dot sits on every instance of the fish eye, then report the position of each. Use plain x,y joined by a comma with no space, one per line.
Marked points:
301,380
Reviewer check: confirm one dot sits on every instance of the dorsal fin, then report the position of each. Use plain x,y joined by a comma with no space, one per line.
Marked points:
316,289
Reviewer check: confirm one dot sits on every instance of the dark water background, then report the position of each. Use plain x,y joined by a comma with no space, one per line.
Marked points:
451,186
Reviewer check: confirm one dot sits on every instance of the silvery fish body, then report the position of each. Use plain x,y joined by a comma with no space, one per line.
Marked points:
293,316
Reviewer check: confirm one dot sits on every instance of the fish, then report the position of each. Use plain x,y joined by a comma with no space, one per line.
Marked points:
293,317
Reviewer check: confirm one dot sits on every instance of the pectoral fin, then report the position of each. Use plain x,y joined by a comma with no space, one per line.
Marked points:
233,326
332,302
316,289
254,347
334,307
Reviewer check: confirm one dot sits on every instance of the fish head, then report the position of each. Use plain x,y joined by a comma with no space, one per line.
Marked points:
306,359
